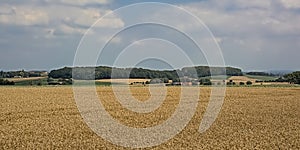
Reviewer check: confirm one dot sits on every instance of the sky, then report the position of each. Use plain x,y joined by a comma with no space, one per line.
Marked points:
252,35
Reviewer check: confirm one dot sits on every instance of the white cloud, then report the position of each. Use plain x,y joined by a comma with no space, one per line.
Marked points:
70,30
21,15
291,3
81,19
251,3
219,40
58,19
241,18
5,10
87,17
112,22
84,2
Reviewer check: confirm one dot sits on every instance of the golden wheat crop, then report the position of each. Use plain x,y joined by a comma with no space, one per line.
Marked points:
251,118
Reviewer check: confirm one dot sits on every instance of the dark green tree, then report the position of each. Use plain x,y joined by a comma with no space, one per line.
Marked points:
293,77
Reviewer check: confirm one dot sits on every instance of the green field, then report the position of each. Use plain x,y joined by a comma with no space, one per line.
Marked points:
32,82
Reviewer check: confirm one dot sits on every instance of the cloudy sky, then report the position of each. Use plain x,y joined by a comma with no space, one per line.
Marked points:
253,35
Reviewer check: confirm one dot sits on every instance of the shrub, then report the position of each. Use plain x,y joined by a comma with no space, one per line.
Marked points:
249,83
6,82
242,83
165,80
230,83
293,77
207,83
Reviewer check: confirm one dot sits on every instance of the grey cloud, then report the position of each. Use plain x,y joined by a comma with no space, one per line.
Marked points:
253,34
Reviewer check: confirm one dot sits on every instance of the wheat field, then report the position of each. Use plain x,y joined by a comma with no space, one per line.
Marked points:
251,118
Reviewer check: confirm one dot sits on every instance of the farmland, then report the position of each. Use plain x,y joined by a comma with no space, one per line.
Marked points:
262,78
251,117
122,81
253,79
25,79
29,81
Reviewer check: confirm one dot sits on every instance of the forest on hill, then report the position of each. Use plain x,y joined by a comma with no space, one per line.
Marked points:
104,72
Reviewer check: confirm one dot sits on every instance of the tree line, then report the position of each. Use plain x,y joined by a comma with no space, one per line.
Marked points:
260,74
22,74
104,72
